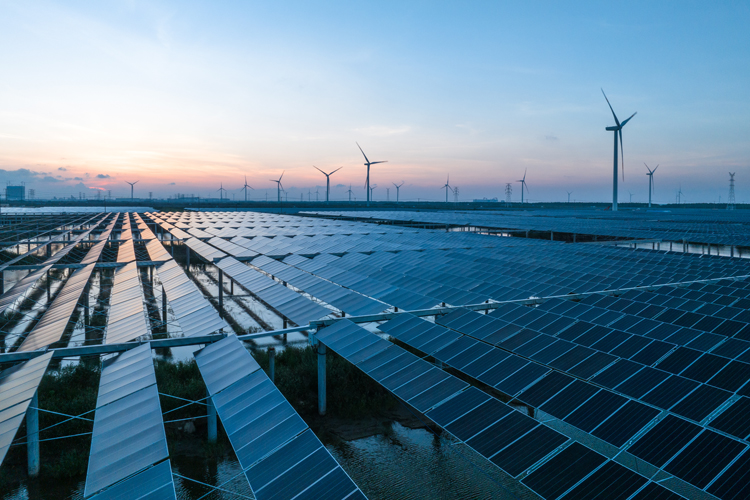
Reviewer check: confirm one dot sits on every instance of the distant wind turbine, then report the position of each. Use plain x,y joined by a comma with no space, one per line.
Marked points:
523,185
372,189
569,193
279,187
367,180
350,192
679,195
317,193
631,197
617,129
447,186
650,175
328,180
221,191
131,188
245,188
398,186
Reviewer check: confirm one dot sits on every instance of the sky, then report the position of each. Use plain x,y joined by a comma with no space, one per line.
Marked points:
186,97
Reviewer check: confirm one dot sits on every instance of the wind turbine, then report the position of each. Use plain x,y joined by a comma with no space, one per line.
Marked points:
317,193
131,188
245,188
617,129
367,180
328,180
279,187
679,195
221,191
650,182
350,192
398,186
569,193
372,189
447,187
523,185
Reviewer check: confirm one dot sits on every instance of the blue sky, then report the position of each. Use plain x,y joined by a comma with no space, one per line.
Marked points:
96,93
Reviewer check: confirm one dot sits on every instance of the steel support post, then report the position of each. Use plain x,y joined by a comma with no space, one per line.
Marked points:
221,293
321,379
731,250
32,436
187,251
211,420
2,282
164,305
49,287
552,236
574,237
231,287
272,364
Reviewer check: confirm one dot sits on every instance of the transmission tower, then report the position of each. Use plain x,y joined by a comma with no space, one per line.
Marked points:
730,205
508,192
455,194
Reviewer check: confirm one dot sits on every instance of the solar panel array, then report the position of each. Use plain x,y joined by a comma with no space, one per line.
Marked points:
700,226
280,455
18,384
128,434
510,439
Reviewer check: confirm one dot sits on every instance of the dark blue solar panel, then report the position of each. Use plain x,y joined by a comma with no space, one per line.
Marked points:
701,402
569,399
501,433
734,483
691,464
625,423
611,481
594,411
478,419
617,373
545,389
563,471
664,440
528,450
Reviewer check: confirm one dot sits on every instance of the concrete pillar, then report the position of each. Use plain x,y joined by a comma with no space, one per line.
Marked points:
731,250
211,420
151,275
231,287
272,364
48,250
670,246
285,323
321,379
32,436
552,235
187,251
221,293
653,246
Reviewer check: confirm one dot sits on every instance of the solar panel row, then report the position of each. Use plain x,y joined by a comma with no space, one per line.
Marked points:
280,455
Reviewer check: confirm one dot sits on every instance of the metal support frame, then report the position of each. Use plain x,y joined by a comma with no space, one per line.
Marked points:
211,419
272,364
32,436
321,379
221,293
164,305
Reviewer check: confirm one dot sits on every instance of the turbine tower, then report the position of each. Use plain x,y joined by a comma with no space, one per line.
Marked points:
398,186
221,191
245,188
279,187
447,187
631,197
730,206
679,195
569,193
367,180
350,192
617,129
372,189
131,188
328,180
650,182
523,185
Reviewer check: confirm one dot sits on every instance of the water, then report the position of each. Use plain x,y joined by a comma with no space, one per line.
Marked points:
403,463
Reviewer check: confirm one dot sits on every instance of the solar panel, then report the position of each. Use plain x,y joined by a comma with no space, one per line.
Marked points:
154,483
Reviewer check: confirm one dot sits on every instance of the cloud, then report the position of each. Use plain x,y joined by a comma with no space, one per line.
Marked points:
80,185
103,176
63,169
172,184
77,178
551,138
340,185
50,179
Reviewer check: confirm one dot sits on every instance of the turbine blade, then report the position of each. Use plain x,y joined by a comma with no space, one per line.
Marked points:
656,168
524,174
612,110
319,170
335,170
363,153
626,121
374,162
282,175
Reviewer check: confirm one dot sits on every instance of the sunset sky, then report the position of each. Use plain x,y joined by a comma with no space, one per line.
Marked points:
183,96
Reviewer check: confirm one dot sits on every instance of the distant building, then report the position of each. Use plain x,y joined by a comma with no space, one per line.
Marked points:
15,193
485,200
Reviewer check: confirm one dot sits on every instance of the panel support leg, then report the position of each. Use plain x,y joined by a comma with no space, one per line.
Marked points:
187,251
32,436
321,379
49,287
211,412
164,306
221,293
272,364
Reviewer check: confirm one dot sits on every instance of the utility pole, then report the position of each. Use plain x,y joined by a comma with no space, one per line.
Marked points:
509,193
730,206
